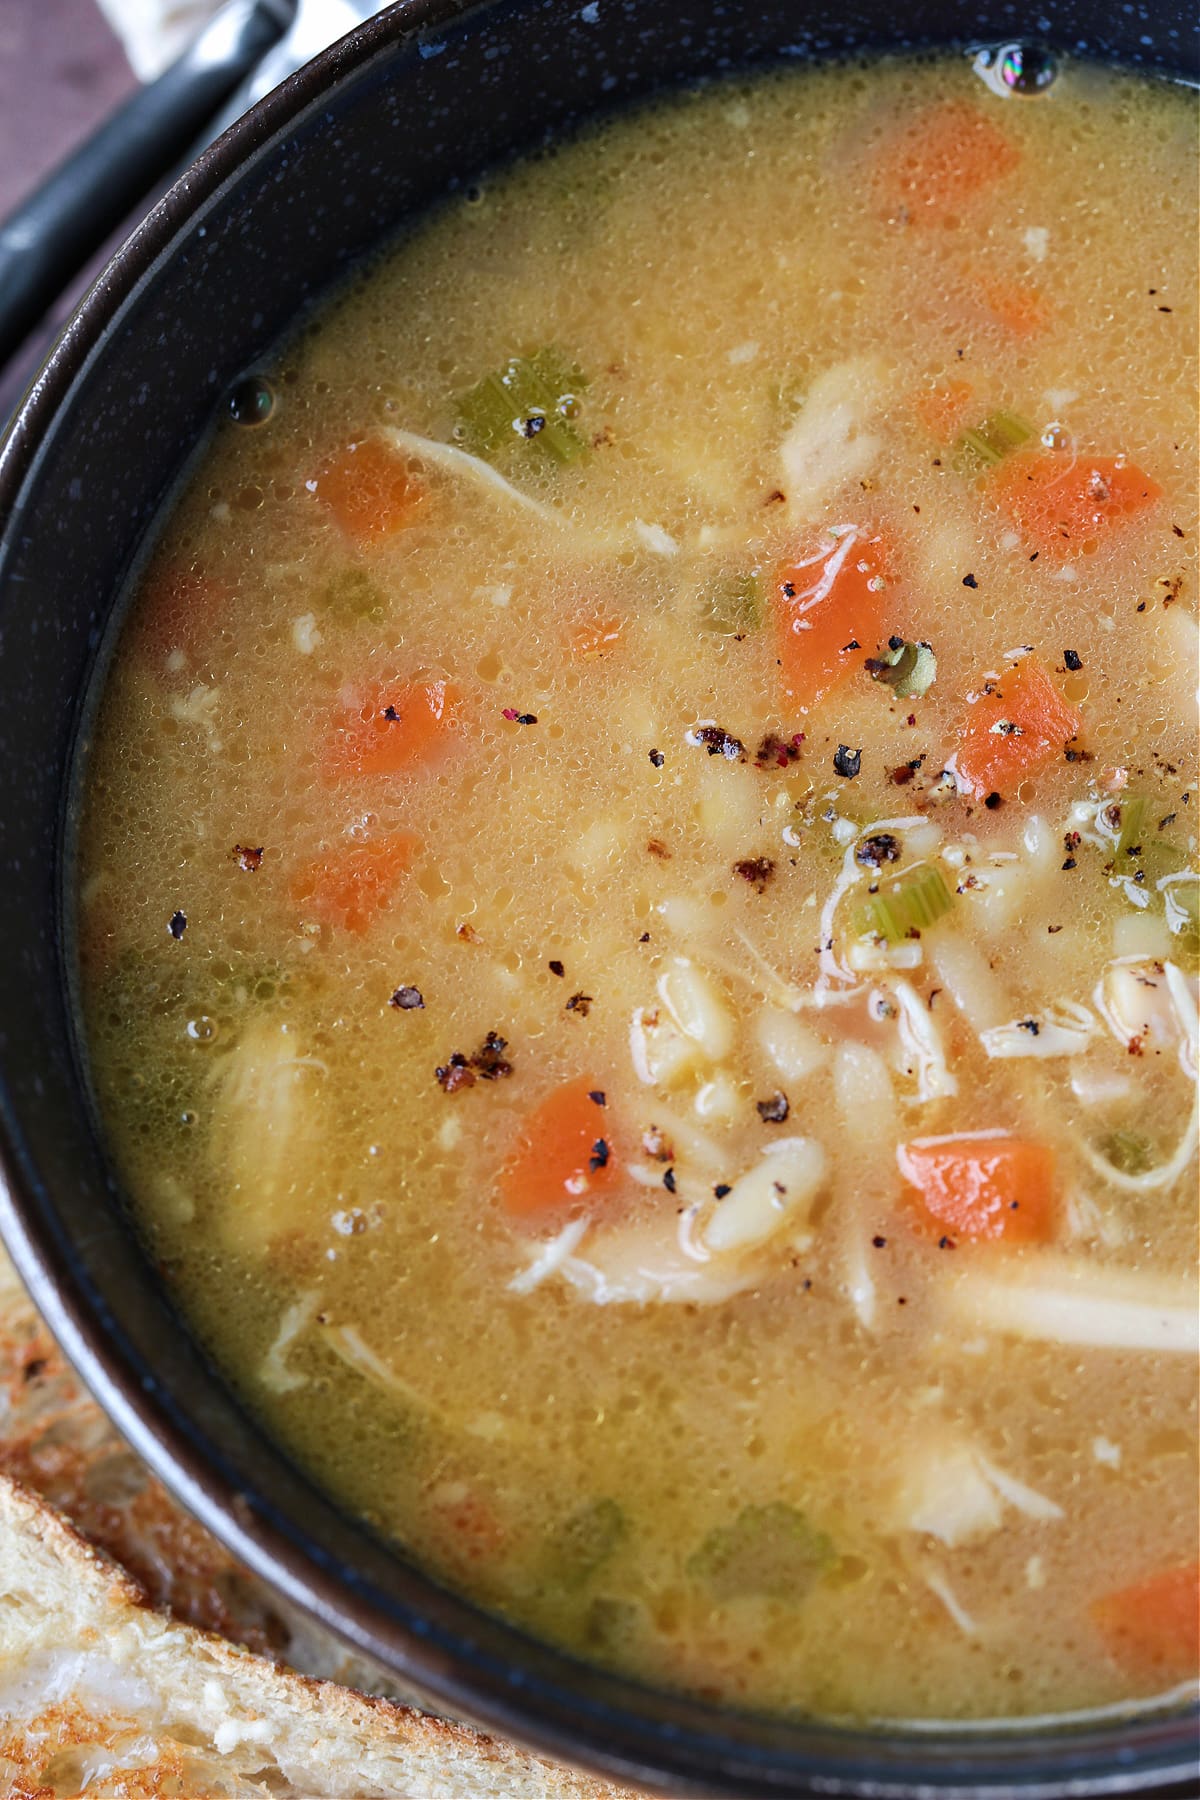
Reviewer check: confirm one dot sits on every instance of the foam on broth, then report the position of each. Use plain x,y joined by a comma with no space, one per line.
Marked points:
849,1484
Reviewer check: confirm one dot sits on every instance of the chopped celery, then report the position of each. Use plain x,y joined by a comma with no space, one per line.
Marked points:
351,595
142,984
771,1550
990,441
611,1626
1142,855
531,401
1133,819
1181,902
1129,1152
908,668
904,907
732,606
585,1541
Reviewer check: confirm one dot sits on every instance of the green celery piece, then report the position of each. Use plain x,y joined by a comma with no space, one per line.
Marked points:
909,671
145,984
1148,860
585,1541
528,404
1181,901
611,1625
1129,1152
989,442
351,595
1133,820
770,1550
912,902
732,606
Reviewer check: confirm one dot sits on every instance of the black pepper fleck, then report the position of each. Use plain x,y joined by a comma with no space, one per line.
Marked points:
669,1180
657,758
847,762
719,742
773,1111
1073,660
489,1059
177,925
757,870
993,801
881,847
970,581
555,967
408,999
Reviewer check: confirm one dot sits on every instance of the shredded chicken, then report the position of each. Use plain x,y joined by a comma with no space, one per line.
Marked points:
952,1492
273,1370
922,1045
834,441
1063,1029
1143,1005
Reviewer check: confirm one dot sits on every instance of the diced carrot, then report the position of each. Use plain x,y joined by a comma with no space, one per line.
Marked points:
466,1523
1065,505
349,888
597,637
1015,731
943,409
829,613
1021,310
371,491
563,1154
393,729
941,159
177,615
1153,1627
982,1189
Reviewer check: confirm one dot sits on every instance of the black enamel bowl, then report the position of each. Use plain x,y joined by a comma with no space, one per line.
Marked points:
403,111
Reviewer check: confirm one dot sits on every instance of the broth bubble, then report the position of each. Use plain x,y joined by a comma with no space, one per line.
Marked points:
252,401
1027,68
1022,69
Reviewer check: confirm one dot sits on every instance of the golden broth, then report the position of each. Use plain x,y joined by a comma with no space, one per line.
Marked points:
760,1393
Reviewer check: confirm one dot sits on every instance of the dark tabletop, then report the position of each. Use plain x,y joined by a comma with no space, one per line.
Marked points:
61,72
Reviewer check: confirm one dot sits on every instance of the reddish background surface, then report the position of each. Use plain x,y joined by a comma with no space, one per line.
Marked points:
61,72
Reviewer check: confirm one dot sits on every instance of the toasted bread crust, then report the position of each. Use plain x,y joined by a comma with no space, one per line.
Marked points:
99,1688
128,1684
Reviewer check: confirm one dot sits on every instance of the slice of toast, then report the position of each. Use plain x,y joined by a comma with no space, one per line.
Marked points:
101,1694
111,1685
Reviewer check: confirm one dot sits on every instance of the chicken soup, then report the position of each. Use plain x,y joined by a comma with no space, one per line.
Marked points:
637,897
